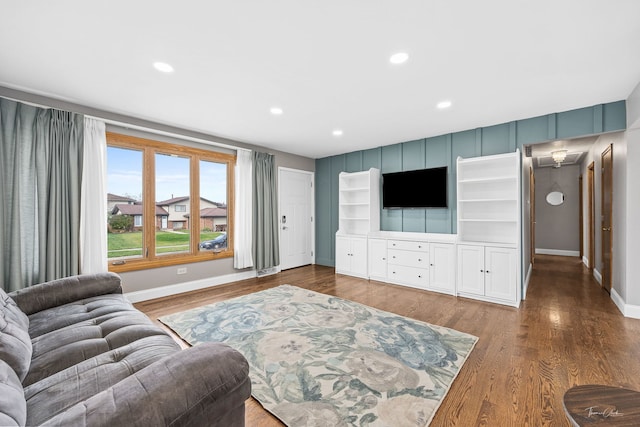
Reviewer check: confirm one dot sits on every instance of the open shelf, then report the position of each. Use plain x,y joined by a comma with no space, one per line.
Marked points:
359,202
489,198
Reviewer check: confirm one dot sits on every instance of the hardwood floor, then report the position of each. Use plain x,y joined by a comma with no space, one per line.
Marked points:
568,332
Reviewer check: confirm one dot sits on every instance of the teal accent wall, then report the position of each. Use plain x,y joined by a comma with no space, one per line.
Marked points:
443,150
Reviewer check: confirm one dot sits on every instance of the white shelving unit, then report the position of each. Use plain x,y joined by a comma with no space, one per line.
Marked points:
489,237
358,215
359,202
489,199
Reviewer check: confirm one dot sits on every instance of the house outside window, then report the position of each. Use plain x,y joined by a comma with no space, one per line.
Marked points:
155,172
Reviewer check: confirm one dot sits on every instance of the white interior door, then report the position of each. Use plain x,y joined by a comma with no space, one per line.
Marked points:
296,222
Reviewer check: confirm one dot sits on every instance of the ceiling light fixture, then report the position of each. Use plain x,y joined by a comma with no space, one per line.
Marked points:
337,132
559,156
276,111
399,58
443,104
163,67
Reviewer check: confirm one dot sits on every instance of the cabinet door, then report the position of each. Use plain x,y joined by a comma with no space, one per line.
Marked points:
442,268
359,256
471,269
500,277
378,258
343,257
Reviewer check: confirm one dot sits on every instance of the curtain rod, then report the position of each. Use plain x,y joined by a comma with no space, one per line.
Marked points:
169,134
137,127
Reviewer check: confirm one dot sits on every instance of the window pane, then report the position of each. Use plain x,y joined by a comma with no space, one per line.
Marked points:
124,202
172,190
213,206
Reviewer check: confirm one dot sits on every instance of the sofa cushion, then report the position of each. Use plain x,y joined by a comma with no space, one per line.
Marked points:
69,334
64,389
15,343
13,407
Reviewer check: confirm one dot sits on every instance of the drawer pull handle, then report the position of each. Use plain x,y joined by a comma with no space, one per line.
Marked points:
481,271
487,271
420,259
419,276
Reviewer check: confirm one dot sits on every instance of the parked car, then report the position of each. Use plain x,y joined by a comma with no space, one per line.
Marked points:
217,243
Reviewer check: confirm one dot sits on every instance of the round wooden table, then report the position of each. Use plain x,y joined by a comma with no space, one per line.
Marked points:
601,405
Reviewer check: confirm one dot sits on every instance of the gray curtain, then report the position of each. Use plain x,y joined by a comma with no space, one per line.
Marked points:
40,170
266,247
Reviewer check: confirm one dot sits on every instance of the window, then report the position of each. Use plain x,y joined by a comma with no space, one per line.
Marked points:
180,212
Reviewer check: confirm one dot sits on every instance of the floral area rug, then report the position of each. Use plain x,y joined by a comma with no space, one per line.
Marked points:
318,360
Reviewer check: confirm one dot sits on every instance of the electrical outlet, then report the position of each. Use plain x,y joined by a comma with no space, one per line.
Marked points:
182,270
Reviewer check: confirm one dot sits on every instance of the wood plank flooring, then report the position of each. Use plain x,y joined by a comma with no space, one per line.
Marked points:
568,332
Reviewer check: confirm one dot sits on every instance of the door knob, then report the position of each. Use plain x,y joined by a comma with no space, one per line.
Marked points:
606,228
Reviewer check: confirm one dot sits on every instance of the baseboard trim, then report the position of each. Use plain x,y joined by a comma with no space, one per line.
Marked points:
627,310
560,252
585,261
165,291
526,282
597,276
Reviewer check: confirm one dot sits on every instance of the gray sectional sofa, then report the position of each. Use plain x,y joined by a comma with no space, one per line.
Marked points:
74,351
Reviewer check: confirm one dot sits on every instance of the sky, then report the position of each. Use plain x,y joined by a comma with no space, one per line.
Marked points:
124,176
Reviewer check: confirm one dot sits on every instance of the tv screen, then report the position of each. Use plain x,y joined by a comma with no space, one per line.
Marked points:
423,188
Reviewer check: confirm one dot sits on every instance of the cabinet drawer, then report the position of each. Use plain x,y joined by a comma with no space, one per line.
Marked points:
408,275
408,258
408,245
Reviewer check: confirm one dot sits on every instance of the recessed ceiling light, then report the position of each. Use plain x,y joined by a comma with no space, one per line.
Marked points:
337,132
163,66
399,58
443,104
276,111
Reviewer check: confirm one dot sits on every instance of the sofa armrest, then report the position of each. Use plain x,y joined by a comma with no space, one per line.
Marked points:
63,291
198,386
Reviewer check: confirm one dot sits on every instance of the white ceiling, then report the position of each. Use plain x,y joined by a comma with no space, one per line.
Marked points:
325,63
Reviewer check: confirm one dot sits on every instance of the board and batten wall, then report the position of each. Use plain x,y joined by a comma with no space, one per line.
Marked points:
443,150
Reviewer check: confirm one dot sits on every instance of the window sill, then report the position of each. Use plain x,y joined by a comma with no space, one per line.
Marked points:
140,264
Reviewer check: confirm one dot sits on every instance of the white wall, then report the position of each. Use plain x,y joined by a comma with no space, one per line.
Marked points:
631,294
557,227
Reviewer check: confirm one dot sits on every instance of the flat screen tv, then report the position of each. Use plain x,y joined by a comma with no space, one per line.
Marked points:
422,188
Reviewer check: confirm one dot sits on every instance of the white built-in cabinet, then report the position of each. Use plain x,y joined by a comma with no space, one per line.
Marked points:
378,259
488,272
482,261
489,236
351,255
442,267
358,215
420,260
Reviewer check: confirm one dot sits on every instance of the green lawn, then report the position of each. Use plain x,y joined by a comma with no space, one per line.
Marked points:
130,244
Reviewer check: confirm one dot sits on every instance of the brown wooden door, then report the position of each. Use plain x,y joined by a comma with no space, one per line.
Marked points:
581,215
591,215
532,214
607,214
